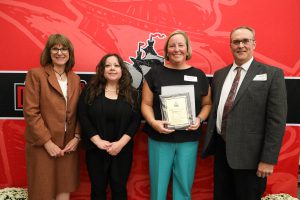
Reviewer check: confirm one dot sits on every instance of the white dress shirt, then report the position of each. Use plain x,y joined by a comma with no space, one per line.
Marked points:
226,89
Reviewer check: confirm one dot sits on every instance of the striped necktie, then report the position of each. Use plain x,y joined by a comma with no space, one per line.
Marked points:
229,101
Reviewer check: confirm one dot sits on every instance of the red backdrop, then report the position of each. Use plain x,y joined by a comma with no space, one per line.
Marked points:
97,27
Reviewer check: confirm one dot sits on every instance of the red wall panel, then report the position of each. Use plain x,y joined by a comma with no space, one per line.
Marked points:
97,27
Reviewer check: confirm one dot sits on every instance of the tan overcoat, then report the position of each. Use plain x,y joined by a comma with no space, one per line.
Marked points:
47,114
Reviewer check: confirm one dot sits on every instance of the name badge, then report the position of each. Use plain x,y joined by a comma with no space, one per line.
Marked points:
260,77
190,78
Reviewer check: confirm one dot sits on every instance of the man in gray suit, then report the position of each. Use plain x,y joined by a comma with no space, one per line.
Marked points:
247,121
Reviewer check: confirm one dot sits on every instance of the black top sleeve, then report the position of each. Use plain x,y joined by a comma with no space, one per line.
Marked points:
135,118
87,126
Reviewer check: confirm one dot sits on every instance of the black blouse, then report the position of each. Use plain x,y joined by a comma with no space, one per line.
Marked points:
160,76
110,119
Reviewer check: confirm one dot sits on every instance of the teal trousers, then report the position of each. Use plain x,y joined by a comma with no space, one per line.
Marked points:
178,159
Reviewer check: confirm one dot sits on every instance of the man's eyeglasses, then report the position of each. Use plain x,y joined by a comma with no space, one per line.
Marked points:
244,41
62,50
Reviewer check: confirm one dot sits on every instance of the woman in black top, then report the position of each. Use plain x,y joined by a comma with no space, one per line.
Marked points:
109,117
174,152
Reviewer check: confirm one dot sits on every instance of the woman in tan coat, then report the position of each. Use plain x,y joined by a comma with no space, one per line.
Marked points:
52,133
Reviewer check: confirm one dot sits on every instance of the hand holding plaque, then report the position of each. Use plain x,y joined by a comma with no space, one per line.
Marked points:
176,110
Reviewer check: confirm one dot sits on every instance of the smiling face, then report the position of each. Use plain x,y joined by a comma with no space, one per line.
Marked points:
59,55
177,50
242,51
112,71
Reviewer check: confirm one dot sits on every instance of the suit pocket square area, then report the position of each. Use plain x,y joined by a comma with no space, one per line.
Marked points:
260,77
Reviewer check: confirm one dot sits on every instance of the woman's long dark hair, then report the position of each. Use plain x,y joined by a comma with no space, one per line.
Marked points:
98,82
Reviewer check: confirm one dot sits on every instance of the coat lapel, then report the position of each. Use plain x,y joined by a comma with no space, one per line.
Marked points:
252,71
71,87
52,79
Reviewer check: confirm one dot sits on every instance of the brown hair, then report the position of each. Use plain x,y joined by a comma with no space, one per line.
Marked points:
243,27
98,82
55,39
188,44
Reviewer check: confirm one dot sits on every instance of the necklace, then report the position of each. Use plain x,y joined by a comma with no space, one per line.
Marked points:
60,74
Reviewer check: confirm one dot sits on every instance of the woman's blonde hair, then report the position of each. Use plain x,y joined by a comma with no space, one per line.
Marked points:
187,40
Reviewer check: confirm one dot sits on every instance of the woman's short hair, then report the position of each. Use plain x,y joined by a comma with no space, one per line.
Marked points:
55,39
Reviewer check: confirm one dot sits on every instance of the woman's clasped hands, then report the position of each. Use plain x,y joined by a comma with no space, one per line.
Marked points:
112,148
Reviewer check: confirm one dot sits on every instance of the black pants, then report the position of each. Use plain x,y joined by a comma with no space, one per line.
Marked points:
234,184
104,170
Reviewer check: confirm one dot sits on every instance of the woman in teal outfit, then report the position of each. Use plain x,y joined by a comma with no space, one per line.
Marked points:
173,152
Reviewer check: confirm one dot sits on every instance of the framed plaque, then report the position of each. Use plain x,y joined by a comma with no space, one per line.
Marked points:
175,89
176,109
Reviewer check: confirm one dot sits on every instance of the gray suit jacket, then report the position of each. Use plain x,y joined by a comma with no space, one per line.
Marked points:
256,122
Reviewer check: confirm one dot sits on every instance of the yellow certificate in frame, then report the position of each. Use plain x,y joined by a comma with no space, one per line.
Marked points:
176,109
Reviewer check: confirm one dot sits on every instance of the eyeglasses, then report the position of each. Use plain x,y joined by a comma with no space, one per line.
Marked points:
245,41
62,50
